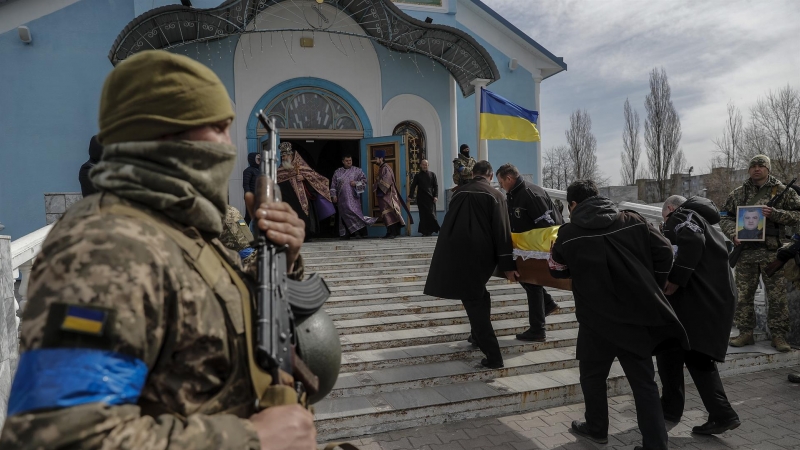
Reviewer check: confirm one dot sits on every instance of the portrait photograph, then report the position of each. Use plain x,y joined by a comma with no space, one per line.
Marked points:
750,223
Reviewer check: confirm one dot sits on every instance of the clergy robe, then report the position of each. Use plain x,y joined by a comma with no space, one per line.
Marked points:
426,187
388,198
306,191
351,218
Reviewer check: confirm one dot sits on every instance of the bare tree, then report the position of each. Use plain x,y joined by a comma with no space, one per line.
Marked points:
679,163
557,169
729,156
662,131
582,147
776,118
632,149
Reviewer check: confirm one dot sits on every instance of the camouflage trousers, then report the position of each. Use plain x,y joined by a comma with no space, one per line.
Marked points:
748,271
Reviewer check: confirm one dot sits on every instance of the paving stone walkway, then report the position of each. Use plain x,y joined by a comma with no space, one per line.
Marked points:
767,403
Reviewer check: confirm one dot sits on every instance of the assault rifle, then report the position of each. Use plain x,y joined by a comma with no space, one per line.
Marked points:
783,256
733,258
280,298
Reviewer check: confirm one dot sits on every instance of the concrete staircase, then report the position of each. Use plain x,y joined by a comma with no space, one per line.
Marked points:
406,362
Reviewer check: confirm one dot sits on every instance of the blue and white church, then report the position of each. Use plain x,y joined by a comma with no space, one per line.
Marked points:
339,76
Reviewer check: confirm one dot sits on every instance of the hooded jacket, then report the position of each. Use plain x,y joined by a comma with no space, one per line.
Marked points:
250,175
95,153
618,264
705,301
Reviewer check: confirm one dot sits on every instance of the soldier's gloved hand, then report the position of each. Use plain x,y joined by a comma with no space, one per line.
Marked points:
289,427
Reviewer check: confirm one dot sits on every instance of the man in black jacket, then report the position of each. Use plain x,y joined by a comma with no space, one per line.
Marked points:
619,265
474,239
95,152
250,175
700,290
529,208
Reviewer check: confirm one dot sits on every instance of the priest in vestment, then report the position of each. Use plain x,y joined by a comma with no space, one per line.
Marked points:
304,189
426,188
388,198
347,185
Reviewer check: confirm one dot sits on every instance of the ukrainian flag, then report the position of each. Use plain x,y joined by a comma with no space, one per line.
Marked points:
502,119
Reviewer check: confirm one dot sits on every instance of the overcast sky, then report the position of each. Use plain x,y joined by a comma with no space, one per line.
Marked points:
712,50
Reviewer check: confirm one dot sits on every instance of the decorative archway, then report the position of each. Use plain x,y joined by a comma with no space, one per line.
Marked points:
344,108
380,20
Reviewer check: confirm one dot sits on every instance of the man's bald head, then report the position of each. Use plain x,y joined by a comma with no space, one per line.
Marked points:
671,204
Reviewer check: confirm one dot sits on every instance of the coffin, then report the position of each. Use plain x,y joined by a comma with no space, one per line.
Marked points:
536,271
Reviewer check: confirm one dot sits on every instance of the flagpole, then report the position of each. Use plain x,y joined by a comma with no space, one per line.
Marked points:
482,144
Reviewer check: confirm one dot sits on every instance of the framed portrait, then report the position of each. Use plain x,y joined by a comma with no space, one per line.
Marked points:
750,223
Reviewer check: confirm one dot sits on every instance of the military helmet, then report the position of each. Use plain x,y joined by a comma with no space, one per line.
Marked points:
318,345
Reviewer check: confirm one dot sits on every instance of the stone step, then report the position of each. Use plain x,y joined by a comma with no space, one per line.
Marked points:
358,415
386,257
335,265
361,360
390,278
427,320
375,252
429,306
347,272
331,245
444,333
370,382
411,296
403,286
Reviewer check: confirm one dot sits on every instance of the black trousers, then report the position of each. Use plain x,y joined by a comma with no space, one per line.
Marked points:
641,376
479,312
538,302
704,373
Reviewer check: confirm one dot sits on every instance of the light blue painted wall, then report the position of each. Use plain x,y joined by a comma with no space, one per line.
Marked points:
218,56
517,86
48,105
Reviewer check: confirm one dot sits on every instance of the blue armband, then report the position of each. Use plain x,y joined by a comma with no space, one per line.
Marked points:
244,253
64,377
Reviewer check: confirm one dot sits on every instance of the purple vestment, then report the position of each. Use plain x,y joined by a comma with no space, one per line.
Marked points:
351,218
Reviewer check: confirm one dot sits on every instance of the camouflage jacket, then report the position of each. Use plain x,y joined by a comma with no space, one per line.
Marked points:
787,211
197,393
463,177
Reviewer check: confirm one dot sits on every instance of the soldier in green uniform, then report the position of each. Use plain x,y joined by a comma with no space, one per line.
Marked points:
462,166
134,335
758,190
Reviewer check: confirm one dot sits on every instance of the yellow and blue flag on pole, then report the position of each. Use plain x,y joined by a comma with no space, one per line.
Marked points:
502,119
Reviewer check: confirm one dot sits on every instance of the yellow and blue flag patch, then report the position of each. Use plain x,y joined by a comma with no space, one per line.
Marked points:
84,320
503,119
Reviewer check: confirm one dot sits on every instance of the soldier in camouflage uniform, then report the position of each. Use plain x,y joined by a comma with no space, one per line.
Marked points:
134,332
236,236
462,166
758,190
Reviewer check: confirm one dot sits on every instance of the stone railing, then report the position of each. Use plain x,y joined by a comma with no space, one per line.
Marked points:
16,258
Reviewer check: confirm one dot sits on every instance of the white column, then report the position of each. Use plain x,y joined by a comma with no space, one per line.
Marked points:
25,275
483,145
448,167
537,84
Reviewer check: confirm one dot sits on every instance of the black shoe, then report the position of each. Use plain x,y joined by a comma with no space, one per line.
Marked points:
551,310
673,419
472,341
716,427
346,237
794,377
582,430
388,236
491,365
531,336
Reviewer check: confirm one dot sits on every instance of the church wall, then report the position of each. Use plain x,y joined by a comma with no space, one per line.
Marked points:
49,97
